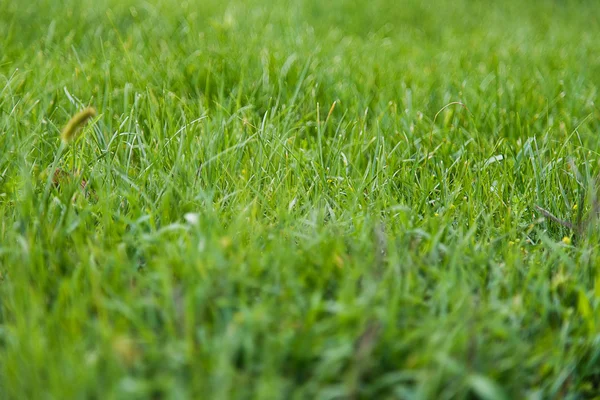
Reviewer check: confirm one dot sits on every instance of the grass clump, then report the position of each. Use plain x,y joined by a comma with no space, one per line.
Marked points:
299,200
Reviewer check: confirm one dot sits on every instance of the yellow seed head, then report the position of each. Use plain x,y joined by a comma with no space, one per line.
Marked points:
73,127
126,350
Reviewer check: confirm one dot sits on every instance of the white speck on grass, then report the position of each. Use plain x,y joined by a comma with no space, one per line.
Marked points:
192,218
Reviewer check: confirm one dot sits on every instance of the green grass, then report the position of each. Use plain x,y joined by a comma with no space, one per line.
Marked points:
284,200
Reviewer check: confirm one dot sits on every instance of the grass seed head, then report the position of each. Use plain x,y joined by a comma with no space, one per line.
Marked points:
76,123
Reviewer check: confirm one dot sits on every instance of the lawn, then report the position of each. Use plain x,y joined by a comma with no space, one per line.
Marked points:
303,199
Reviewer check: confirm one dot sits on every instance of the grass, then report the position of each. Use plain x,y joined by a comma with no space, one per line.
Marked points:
300,200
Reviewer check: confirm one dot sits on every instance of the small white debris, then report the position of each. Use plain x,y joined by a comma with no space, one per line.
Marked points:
192,218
